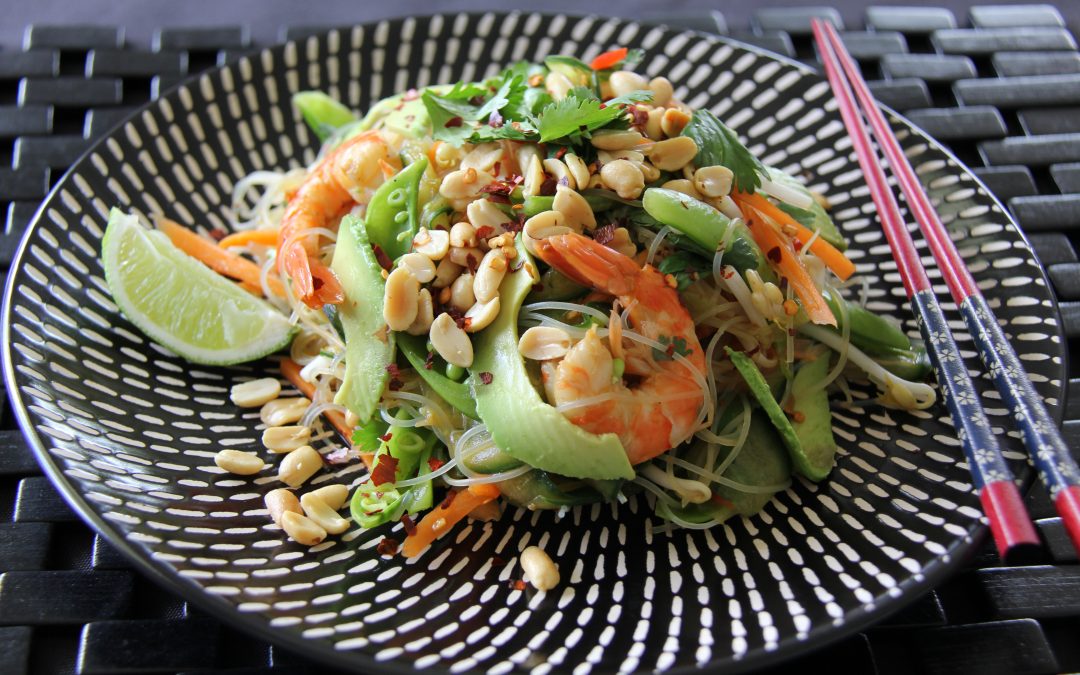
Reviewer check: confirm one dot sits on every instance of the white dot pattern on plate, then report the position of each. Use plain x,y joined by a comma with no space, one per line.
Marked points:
132,429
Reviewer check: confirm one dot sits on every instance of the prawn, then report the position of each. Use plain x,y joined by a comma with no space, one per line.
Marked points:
348,175
662,409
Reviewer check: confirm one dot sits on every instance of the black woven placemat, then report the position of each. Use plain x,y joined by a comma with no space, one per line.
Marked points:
1000,86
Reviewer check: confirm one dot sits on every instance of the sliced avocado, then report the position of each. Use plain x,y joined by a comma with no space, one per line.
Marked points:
406,116
761,462
393,215
812,401
708,228
369,343
822,222
521,423
535,490
804,464
554,285
456,394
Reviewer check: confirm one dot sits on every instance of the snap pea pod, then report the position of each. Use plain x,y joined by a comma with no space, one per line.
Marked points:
436,214
540,203
420,497
491,460
373,505
868,330
393,215
456,394
813,465
910,364
707,228
323,114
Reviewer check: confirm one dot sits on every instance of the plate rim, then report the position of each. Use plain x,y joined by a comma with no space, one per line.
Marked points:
911,589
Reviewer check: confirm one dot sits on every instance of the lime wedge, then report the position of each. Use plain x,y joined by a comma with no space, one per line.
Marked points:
183,305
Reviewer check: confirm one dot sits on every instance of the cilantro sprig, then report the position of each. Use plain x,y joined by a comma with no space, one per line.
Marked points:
719,145
581,113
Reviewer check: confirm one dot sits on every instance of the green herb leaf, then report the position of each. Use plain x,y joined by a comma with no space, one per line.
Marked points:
366,438
447,121
581,113
685,267
719,145
676,345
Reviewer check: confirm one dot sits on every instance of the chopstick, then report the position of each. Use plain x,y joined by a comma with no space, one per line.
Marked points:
1010,525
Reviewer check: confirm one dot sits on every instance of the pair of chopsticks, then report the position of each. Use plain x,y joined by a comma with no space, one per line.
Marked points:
1012,529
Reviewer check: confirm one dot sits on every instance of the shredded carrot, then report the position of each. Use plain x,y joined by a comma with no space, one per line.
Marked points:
441,520
609,59
221,261
833,258
431,154
781,254
267,237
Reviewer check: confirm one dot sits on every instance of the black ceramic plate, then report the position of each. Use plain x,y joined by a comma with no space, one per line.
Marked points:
128,431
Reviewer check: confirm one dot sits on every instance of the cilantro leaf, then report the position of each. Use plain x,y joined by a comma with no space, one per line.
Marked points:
805,217
684,266
581,112
447,124
366,437
719,145
676,345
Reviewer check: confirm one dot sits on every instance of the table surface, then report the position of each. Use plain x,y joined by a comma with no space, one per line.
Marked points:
1000,85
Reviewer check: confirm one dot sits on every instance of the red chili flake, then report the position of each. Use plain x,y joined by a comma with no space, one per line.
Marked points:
385,438
485,231
639,118
454,122
457,315
429,361
603,105
717,499
448,500
774,254
384,260
395,384
517,585
547,188
496,169
605,234
798,416
472,261
218,233
517,225
393,370
387,547
496,561
728,272
385,470
560,152
435,463
407,523
477,100
316,283
486,377
797,245
499,198
670,350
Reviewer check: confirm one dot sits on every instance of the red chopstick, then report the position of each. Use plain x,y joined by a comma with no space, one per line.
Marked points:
1052,457
1002,503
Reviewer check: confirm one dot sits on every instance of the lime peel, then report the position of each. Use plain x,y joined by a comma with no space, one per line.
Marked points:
182,304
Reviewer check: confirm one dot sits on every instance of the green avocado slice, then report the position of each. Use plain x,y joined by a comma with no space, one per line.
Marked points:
521,423
812,467
815,429
369,344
